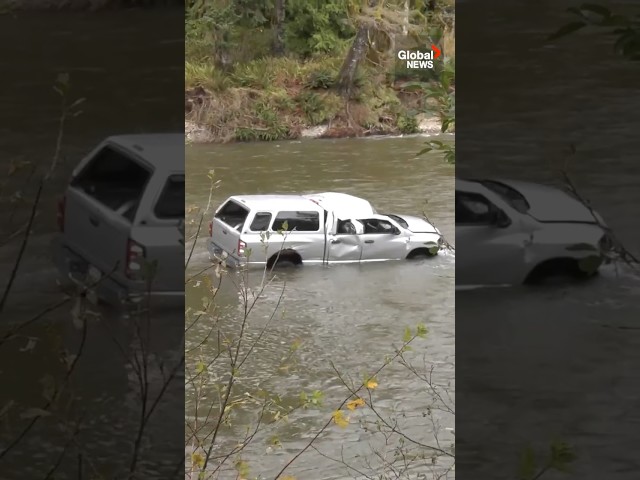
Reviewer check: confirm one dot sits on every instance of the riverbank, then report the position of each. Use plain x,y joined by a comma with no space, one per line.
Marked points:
199,134
7,6
284,98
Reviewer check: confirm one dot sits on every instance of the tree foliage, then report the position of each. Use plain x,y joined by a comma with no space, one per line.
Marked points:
625,29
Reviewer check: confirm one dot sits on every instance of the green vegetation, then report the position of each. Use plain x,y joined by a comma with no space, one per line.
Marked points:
264,70
624,28
7,6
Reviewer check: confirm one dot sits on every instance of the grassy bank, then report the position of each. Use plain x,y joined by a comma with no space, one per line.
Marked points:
280,98
7,6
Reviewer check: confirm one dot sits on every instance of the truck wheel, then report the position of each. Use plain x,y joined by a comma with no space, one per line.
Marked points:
285,258
419,254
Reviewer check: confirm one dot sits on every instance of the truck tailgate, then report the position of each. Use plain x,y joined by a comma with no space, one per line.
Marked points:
95,232
226,226
225,237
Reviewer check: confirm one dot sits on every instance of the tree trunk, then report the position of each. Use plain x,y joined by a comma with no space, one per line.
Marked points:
405,19
278,44
357,52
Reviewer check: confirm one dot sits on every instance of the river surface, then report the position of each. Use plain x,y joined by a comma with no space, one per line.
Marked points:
348,315
561,362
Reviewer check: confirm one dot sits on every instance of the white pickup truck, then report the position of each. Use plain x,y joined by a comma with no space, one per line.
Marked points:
121,219
320,228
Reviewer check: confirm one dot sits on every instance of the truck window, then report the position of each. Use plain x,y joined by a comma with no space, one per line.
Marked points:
346,227
115,180
170,204
233,214
298,221
376,226
260,222
472,209
398,219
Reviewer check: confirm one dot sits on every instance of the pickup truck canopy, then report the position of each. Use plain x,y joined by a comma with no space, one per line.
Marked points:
343,206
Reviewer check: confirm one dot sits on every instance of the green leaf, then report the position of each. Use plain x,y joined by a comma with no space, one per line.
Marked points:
242,468
566,30
421,330
317,395
200,367
275,441
561,456
406,337
527,468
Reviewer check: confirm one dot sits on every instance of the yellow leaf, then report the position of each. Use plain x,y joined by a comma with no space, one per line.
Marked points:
371,384
288,477
340,419
197,459
353,404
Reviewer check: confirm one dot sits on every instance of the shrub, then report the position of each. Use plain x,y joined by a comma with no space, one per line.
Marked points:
407,124
320,78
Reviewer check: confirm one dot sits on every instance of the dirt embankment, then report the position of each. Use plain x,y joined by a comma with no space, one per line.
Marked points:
245,114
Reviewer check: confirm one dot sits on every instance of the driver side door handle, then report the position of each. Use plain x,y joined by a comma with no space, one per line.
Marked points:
368,241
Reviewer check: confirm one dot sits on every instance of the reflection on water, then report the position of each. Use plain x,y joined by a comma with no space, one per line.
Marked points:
348,316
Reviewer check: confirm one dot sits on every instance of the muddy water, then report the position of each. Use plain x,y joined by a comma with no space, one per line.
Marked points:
117,61
558,362
349,315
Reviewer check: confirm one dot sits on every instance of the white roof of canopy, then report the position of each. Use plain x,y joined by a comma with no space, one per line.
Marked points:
343,205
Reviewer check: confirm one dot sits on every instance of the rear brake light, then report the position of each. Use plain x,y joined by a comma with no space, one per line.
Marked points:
211,229
135,259
62,203
241,247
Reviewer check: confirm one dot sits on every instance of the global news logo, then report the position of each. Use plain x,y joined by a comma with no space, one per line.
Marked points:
419,60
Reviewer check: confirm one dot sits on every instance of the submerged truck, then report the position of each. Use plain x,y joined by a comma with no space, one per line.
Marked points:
121,220
318,228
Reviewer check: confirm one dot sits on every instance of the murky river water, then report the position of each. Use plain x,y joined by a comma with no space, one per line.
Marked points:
558,362
349,315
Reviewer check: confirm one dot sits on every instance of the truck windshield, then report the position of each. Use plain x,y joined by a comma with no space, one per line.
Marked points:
509,195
